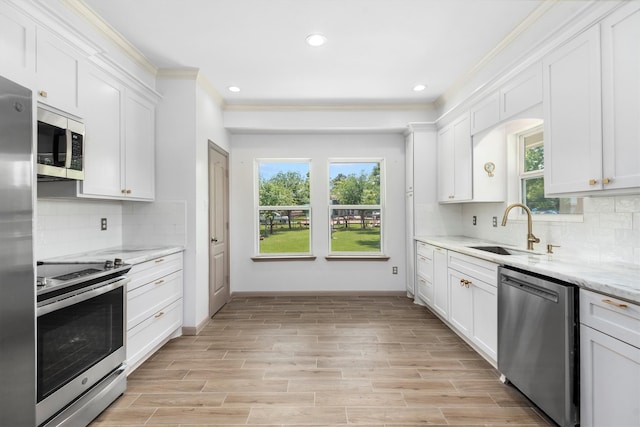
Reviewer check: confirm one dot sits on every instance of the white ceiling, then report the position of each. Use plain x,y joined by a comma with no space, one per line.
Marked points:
377,50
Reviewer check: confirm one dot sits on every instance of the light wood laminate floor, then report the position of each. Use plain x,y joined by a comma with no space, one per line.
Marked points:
319,361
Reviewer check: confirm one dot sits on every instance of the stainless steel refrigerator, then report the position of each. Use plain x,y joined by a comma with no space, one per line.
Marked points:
17,281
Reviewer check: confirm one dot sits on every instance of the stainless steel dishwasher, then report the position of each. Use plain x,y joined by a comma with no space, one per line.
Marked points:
538,341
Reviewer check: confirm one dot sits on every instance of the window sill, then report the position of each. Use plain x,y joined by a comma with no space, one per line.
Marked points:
357,258
267,258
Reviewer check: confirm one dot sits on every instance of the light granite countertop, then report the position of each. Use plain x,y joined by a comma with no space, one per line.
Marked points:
619,280
128,254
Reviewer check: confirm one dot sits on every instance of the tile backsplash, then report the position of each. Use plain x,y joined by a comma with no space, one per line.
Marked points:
66,227
609,230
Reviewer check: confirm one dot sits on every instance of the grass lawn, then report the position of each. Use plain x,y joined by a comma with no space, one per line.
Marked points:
296,240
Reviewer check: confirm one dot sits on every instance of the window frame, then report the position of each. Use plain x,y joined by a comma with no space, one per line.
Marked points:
516,140
258,208
379,207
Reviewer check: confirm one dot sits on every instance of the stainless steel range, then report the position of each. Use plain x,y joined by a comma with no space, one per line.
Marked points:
80,346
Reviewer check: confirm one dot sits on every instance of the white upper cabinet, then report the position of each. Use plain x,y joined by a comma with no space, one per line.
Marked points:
454,161
102,96
408,157
58,70
119,142
17,47
139,148
522,92
621,98
592,108
485,114
572,115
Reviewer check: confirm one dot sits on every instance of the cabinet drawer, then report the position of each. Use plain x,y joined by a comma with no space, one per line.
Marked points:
153,270
424,267
425,249
148,299
150,333
425,290
614,317
476,267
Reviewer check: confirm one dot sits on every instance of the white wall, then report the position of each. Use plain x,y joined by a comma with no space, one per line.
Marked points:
187,119
319,275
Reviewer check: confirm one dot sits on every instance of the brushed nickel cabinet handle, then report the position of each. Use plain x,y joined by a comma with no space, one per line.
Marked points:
159,282
159,315
159,260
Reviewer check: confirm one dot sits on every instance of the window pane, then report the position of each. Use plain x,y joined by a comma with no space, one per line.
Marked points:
355,183
284,183
355,230
533,197
533,152
284,231
283,207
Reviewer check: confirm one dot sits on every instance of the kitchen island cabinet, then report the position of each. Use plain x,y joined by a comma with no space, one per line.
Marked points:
154,306
609,361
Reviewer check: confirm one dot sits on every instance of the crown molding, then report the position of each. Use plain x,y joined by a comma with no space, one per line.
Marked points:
83,10
329,107
190,73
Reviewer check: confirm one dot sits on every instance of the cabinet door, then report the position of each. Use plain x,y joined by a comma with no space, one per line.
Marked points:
408,157
17,47
523,92
485,114
462,156
58,68
572,116
446,159
454,161
485,317
410,244
440,282
102,97
460,303
139,148
621,98
609,380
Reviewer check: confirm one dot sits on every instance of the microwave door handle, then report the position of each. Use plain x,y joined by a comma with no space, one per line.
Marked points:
83,296
69,147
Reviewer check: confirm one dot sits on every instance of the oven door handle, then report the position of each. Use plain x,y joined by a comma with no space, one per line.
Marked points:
83,296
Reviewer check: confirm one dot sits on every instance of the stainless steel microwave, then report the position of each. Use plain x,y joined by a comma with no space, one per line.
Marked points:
60,147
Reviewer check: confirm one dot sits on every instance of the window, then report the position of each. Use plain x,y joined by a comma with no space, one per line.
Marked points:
531,172
356,208
284,213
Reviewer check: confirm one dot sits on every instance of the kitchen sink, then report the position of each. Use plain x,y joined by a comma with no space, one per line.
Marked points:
500,250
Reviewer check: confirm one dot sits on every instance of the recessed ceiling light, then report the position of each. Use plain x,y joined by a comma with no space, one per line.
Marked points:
234,89
419,88
316,40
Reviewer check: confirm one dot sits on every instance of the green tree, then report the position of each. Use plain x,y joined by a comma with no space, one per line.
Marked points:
284,189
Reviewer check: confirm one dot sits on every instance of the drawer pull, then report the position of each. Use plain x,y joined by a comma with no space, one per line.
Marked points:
619,305
159,315
159,282
422,258
159,260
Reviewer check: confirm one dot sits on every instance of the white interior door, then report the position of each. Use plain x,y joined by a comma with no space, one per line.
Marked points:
219,291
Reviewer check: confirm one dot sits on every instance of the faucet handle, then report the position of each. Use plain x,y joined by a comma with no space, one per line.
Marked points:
550,248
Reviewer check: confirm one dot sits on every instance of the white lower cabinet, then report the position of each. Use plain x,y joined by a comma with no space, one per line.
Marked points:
609,361
424,272
154,306
440,282
473,301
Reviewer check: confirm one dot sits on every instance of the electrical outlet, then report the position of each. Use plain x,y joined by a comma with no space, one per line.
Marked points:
475,220
495,221
394,270
103,224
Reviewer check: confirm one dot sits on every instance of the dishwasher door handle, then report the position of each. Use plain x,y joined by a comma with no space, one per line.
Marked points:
530,288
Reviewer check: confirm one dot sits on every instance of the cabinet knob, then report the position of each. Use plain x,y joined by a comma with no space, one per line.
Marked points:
43,93
593,181
128,191
606,181
452,197
123,191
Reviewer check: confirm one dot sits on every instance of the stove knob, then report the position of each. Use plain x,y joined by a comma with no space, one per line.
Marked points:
117,262
108,264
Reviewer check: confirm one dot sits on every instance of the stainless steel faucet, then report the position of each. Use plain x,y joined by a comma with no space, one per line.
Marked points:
531,239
